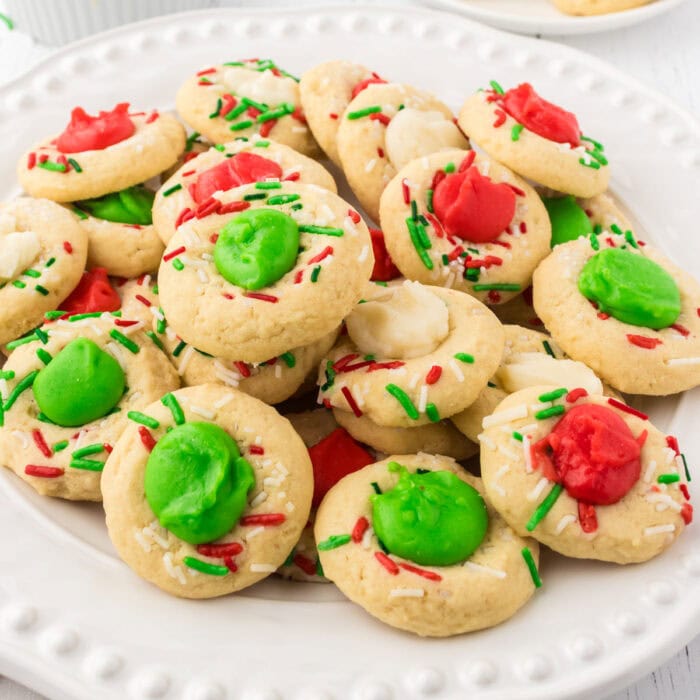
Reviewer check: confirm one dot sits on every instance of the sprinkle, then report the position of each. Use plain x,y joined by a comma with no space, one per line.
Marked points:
552,395
59,446
406,593
516,131
146,438
500,287
315,273
143,419
403,398
450,168
123,340
351,401
204,567
263,519
172,404
389,564
549,412
239,126
464,357
288,359
539,487
496,87
44,356
178,265
218,551
500,118
359,530
658,529
87,464
668,478
430,575
506,416
42,290
530,561
420,240
627,409
376,488
358,114
283,199
544,507
433,375
575,394
333,542
282,111
88,450
643,341
43,472
172,190
432,412
41,443
21,386
325,230
496,573
683,361
564,523
54,167
262,297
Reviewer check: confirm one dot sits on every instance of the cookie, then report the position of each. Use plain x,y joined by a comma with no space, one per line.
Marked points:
275,266
225,523
246,99
597,7
97,155
326,90
42,256
586,475
412,356
385,127
440,438
519,311
464,571
536,139
67,398
459,220
224,167
625,310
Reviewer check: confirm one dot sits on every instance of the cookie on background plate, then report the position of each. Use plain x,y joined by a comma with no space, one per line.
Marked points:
597,7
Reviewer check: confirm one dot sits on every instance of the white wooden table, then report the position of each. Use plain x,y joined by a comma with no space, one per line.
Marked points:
664,54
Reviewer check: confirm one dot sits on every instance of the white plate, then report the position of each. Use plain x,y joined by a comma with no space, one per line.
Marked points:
75,622
542,18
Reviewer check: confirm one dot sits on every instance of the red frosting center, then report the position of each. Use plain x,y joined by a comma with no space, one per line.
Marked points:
384,268
544,118
93,293
336,456
473,207
87,133
242,169
592,452
374,80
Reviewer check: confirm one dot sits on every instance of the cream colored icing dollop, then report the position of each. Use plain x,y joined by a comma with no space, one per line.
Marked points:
413,133
264,87
18,249
406,321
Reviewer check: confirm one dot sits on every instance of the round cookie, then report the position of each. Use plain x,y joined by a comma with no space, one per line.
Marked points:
477,591
440,438
632,358
535,138
416,389
142,145
631,475
244,99
383,128
597,7
193,185
255,535
42,257
459,220
67,396
326,90
310,297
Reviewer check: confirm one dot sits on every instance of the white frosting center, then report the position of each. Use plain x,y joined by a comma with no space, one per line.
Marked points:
407,321
262,86
413,133
18,250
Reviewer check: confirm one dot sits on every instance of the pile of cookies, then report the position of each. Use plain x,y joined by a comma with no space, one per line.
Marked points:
204,336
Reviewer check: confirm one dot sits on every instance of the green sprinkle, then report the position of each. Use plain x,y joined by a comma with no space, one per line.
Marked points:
549,412
178,264
156,340
261,144
432,412
333,542
220,147
375,109
593,164
594,241
51,315
59,446
53,167
80,317
7,21
330,376
172,404
414,209
42,335
217,109
75,165
44,356
544,507
599,157
450,168
252,197
239,126
376,488
530,561
268,185
297,206
88,450
290,559
596,144
123,340
548,348
429,200
91,465
282,111
325,230
517,436
553,395
283,199
414,230
315,273
234,63
22,341
319,567
204,567
172,190
19,284
403,398
288,359
32,273
236,112
472,274
143,419
42,290
685,466
500,287
418,231
179,348
598,229
7,374
464,357
516,131
629,237
252,103
50,262
160,326
668,478
22,385
191,139
496,87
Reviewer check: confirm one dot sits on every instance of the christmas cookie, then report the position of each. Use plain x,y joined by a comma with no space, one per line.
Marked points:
42,256
597,7
537,139
623,309
413,541
412,356
194,188
97,155
440,438
326,90
68,391
239,502
459,220
247,99
275,266
584,474
385,127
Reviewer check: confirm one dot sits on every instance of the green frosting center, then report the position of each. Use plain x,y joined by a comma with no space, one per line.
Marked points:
197,483
256,248
569,221
81,384
631,288
434,519
130,206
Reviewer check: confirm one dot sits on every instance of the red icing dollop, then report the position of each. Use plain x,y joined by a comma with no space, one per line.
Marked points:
336,456
384,269
473,207
93,293
592,452
544,118
87,133
363,84
241,169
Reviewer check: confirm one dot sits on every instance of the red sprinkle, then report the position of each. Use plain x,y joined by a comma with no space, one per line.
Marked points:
643,341
31,160
305,564
299,276
44,472
185,215
173,254
344,360
379,117
587,517
493,296
437,226
672,442
146,438
681,329
267,127
214,238
351,402
124,323
228,296
433,375
515,189
500,118
262,297
257,450
43,158
439,176
230,564
227,549
603,316
360,528
263,519
467,162
406,191
627,409
430,575
107,447
687,513
333,115
41,443
328,250
298,114
143,300
232,207
354,216
243,370
389,564
393,364
229,102
206,71
67,247
523,227
380,152
575,394
152,117
292,177
684,491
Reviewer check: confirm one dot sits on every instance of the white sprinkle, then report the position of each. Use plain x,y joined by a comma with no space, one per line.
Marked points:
262,568
414,381
138,536
535,493
204,412
223,401
79,439
664,498
494,482
496,573
367,538
423,398
154,532
271,481
487,441
159,316
658,529
186,357
3,389
683,361
203,277
563,523
128,330
22,437
457,371
529,428
173,571
363,254
505,416
298,129
278,370
254,533
535,407
116,352
370,165
528,455
170,333
651,468
282,495
406,593
260,498
289,507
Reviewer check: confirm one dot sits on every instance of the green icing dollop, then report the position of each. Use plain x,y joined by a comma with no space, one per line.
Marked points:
569,221
130,206
256,248
433,519
631,288
81,384
197,483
